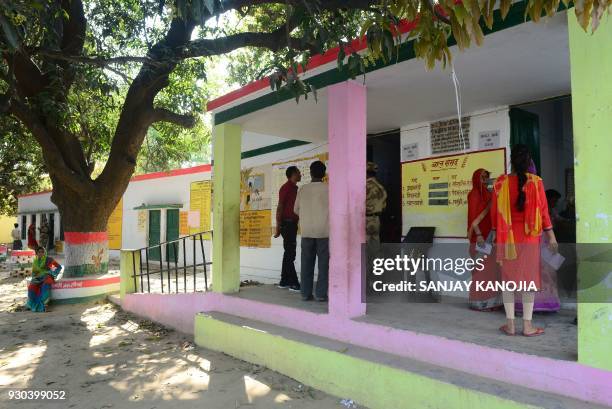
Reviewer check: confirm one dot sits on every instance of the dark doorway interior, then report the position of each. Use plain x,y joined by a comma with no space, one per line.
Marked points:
384,150
51,242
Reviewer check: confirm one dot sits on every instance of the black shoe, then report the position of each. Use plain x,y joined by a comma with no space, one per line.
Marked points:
322,299
281,285
309,298
295,288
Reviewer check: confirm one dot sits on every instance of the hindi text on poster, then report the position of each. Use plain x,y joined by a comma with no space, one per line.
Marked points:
434,190
255,228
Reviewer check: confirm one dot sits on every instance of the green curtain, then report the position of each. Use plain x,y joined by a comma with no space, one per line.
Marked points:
525,129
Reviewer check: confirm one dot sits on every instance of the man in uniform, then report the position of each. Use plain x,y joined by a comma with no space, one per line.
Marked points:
376,201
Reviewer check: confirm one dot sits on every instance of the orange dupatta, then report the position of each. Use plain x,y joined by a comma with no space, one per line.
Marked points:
533,215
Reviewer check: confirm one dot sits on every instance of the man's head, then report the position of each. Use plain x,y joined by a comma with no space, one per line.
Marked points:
293,174
16,225
317,170
371,169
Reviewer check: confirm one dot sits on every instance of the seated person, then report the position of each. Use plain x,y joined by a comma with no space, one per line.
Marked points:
44,273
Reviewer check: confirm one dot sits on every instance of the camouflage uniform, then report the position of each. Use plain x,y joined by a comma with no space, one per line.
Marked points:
376,201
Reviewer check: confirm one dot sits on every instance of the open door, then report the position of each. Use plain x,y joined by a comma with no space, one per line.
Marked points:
525,129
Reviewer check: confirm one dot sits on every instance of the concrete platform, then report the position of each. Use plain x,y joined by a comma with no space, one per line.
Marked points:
451,321
371,378
83,289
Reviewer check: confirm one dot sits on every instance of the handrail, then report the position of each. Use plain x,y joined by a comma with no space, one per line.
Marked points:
175,240
171,255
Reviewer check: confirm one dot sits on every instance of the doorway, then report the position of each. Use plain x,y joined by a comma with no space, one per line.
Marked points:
384,150
154,234
546,128
51,242
172,233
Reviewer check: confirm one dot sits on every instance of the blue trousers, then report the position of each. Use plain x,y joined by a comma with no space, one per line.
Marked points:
315,249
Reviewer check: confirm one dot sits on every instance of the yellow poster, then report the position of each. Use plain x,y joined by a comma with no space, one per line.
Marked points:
255,228
434,190
183,225
200,201
113,228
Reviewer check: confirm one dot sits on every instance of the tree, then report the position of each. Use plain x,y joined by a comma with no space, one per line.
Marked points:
22,168
62,59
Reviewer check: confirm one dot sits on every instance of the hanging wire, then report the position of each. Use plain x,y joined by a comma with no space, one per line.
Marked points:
457,87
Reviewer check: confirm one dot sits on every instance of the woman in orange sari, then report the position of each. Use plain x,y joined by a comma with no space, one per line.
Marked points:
519,216
479,227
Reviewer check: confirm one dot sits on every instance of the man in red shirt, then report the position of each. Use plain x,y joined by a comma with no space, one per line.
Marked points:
286,226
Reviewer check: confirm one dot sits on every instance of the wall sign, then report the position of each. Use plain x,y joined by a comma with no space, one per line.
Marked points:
488,139
434,190
410,151
199,201
114,226
445,136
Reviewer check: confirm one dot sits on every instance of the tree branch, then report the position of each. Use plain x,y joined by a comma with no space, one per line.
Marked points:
165,115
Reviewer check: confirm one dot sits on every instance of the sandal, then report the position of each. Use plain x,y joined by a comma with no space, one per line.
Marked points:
506,331
536,333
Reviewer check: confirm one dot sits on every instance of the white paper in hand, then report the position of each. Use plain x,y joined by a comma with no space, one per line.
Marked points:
552,259
485,248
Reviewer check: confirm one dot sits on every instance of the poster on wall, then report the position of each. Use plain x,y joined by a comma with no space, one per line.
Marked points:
255,207
200,193
445,135
141,225
303,164
183,223
113,228
434,190
255,228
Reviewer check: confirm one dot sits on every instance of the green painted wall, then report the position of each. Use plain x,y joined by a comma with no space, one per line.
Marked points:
591,73
226,208
374,385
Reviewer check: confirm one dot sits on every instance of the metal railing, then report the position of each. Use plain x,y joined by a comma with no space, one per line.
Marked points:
165,268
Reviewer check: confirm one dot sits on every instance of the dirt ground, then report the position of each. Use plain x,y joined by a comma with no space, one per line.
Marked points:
105,358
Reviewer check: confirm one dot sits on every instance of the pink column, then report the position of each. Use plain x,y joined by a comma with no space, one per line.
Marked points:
347,165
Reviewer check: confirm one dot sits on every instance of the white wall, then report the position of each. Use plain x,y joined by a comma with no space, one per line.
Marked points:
158,191
486,120
264,264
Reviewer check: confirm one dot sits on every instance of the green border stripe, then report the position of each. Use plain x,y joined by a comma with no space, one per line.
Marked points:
515,16
273,148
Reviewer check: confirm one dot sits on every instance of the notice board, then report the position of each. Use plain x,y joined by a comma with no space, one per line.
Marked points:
255,228
114,226
434,190
200,195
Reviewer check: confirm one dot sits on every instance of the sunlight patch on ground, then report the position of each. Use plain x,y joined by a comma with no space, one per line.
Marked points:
281,398
17,368
255,389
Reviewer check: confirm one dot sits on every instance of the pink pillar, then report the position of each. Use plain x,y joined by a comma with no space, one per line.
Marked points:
346,117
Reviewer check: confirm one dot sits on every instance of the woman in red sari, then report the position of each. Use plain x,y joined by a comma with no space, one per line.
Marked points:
32,243
519,216
479,227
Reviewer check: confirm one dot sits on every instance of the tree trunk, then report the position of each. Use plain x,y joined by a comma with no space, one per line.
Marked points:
84,217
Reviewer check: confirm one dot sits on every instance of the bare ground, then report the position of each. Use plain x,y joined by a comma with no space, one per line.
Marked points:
105,358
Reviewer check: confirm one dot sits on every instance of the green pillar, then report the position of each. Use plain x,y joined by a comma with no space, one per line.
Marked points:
591,71
226,208
128,265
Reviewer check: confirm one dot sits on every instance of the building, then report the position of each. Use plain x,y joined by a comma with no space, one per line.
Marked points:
407,355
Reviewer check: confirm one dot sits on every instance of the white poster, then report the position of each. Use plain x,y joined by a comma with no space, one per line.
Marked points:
488,140
410,152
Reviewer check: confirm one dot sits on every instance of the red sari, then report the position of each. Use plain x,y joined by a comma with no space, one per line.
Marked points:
32,243
478,200
519,232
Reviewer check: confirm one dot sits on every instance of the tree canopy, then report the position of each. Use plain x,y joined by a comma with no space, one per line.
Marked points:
87,79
